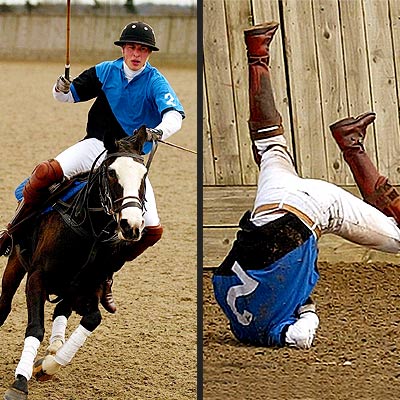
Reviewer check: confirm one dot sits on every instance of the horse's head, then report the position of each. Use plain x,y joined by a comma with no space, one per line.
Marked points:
123,175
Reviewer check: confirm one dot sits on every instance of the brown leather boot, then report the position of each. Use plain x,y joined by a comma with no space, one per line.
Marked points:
265,121
35,193
107,300
151,235
349,134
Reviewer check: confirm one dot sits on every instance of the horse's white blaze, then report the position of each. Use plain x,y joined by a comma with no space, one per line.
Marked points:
130,175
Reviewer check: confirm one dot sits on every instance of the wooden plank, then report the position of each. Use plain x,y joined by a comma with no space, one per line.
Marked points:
384,88
395,18
216,245
357,77
8,33
264,11
225,205
178,36
208,160
218,74
237,16
331,79
304,88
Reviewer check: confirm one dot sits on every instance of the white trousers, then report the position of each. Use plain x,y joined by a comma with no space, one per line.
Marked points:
331,208
79,158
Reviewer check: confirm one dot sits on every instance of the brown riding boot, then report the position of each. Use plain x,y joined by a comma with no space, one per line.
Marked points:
151,235
107,300
349,134
265,120
35,193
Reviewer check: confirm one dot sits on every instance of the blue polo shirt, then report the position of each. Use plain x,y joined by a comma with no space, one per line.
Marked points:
121,106
269,273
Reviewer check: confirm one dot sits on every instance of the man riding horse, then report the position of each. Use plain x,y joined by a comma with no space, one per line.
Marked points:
129,93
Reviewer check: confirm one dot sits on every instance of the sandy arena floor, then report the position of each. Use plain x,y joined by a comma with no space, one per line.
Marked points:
355,354
148,349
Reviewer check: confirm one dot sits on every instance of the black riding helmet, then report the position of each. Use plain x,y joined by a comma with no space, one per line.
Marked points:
138,32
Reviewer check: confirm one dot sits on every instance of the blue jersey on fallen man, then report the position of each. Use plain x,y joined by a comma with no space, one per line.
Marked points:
269,273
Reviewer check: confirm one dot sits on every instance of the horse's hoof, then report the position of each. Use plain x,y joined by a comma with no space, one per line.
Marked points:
15,394
54,347
38,372
18,390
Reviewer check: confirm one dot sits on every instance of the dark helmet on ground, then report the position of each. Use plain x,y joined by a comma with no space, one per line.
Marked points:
138,32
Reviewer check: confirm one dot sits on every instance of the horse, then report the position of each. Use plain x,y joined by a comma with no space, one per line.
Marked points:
69,251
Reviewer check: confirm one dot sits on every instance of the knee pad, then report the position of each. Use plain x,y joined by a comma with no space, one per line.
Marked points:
152,234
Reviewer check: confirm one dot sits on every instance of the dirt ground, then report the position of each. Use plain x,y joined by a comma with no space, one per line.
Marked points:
148,349
355,354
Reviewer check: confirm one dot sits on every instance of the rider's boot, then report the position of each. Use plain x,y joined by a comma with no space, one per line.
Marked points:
265,120
151,235
349,134
107,299
35,193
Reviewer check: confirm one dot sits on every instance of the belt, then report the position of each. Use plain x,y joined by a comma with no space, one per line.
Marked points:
286,207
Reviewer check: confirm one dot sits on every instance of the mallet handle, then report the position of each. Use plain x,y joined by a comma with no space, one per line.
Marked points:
67,61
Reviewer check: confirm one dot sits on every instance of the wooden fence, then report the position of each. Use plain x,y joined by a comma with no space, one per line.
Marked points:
42,37
330,59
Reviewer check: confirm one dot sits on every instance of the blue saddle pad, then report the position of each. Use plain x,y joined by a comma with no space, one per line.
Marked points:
73,189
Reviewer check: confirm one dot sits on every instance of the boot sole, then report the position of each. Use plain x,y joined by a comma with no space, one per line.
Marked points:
261,28
350,121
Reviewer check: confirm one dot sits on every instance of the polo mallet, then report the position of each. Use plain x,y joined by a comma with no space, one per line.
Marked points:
67,62
176,146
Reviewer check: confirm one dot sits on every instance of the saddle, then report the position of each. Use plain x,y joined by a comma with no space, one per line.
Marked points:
62,191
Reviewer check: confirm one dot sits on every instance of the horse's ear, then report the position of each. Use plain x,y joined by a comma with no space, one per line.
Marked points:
141,137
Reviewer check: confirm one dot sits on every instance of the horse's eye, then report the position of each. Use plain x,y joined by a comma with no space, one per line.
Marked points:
112,174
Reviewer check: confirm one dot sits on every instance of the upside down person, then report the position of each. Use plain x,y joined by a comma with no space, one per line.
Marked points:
129,93
264,284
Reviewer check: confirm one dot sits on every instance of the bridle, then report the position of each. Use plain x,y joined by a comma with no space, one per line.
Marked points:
114,207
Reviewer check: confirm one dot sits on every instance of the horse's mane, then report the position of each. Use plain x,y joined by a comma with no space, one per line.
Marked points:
128,144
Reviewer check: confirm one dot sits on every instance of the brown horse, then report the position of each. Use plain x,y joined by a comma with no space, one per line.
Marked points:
69,252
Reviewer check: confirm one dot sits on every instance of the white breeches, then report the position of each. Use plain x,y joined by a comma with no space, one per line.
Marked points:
79,158
331,208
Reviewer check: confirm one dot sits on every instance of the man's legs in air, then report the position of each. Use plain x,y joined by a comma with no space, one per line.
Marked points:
349,134
266,132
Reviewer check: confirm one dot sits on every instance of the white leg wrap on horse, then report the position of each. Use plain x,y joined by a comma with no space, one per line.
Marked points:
58,329
25,365
72,345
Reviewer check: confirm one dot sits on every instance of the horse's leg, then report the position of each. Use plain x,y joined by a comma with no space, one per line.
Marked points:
12,277
61,314
35,298
50,364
